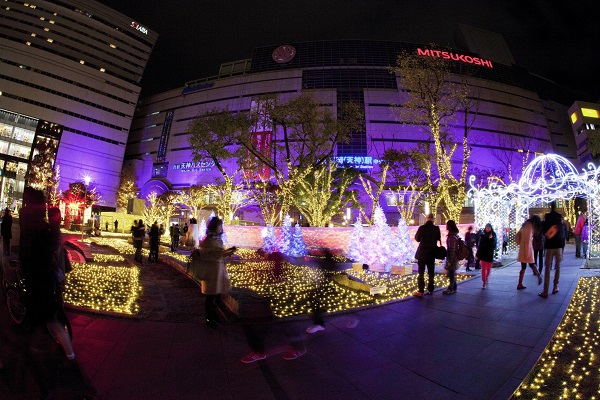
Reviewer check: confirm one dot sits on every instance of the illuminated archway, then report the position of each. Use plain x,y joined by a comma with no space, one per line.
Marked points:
547,178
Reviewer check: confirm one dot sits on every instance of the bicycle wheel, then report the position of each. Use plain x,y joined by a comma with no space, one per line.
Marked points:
15,304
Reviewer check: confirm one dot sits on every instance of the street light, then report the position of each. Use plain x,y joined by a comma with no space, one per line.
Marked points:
86,180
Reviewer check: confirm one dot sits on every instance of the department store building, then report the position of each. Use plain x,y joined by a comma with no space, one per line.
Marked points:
517,111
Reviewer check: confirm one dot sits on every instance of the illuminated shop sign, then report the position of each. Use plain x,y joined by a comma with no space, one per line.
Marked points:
357,161
139,27
200,166
456,57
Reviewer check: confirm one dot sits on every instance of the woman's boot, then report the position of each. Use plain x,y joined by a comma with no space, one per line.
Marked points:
520,285
537,273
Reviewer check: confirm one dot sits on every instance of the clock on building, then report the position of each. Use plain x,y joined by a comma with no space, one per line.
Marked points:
283,54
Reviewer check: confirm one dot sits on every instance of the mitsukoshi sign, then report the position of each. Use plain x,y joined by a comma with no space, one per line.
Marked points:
455,56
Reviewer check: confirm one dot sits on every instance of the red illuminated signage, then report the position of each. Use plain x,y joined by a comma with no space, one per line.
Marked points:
139,27
456,57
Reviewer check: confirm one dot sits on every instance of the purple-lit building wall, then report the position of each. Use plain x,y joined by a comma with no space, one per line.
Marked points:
77,65
512,119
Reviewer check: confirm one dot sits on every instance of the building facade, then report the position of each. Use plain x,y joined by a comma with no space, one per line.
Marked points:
512,119
585,120
70,74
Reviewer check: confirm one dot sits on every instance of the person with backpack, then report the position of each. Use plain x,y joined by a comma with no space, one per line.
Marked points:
485,253
452,243
524,239
554,231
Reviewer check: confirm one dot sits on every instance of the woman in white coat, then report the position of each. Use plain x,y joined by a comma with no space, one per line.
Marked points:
215,278
524,239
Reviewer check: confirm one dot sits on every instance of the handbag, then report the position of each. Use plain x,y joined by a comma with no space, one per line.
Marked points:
196,267
440,253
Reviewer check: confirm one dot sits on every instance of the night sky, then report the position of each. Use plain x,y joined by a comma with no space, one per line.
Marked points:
559,40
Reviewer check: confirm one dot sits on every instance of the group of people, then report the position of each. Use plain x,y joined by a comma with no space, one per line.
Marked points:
429,235
138,232
542,242
541,245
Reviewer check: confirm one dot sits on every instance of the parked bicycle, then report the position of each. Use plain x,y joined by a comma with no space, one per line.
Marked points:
14,291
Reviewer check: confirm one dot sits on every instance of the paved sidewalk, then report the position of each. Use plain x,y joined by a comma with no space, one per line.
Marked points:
476,344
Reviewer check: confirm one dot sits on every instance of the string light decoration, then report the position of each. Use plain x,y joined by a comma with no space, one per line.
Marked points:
291,288
547,178
569,367
107,258
103,288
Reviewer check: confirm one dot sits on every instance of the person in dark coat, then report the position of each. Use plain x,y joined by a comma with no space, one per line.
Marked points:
6,232
116,225
485,252
153,238
553,229
478,236
427,235
138,231
452,239
471,241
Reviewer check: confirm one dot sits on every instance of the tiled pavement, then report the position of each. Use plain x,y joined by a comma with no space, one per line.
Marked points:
476,344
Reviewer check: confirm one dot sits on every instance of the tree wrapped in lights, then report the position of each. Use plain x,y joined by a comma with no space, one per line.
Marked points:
434,97
373,188
78,198
284,240
269,241
266,195
404,247
128,189
196,197
325,193
297,247
357,242
159,208
41,172
380,244
229,197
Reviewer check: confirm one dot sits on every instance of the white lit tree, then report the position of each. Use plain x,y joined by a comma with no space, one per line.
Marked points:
404,245
269,241
202,230
379,243
285,235
356,248
297,247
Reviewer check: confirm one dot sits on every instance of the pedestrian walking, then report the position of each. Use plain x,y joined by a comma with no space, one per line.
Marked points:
452,239
116,223
428,235
215,280
470,240
139,231
524,239
553,229
327,266
6,231
577,232
175,237
538,243
153,239
485,253
585,238
478,236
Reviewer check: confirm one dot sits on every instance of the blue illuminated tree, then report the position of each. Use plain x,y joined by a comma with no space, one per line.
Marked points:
269,242
297,247
285,235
